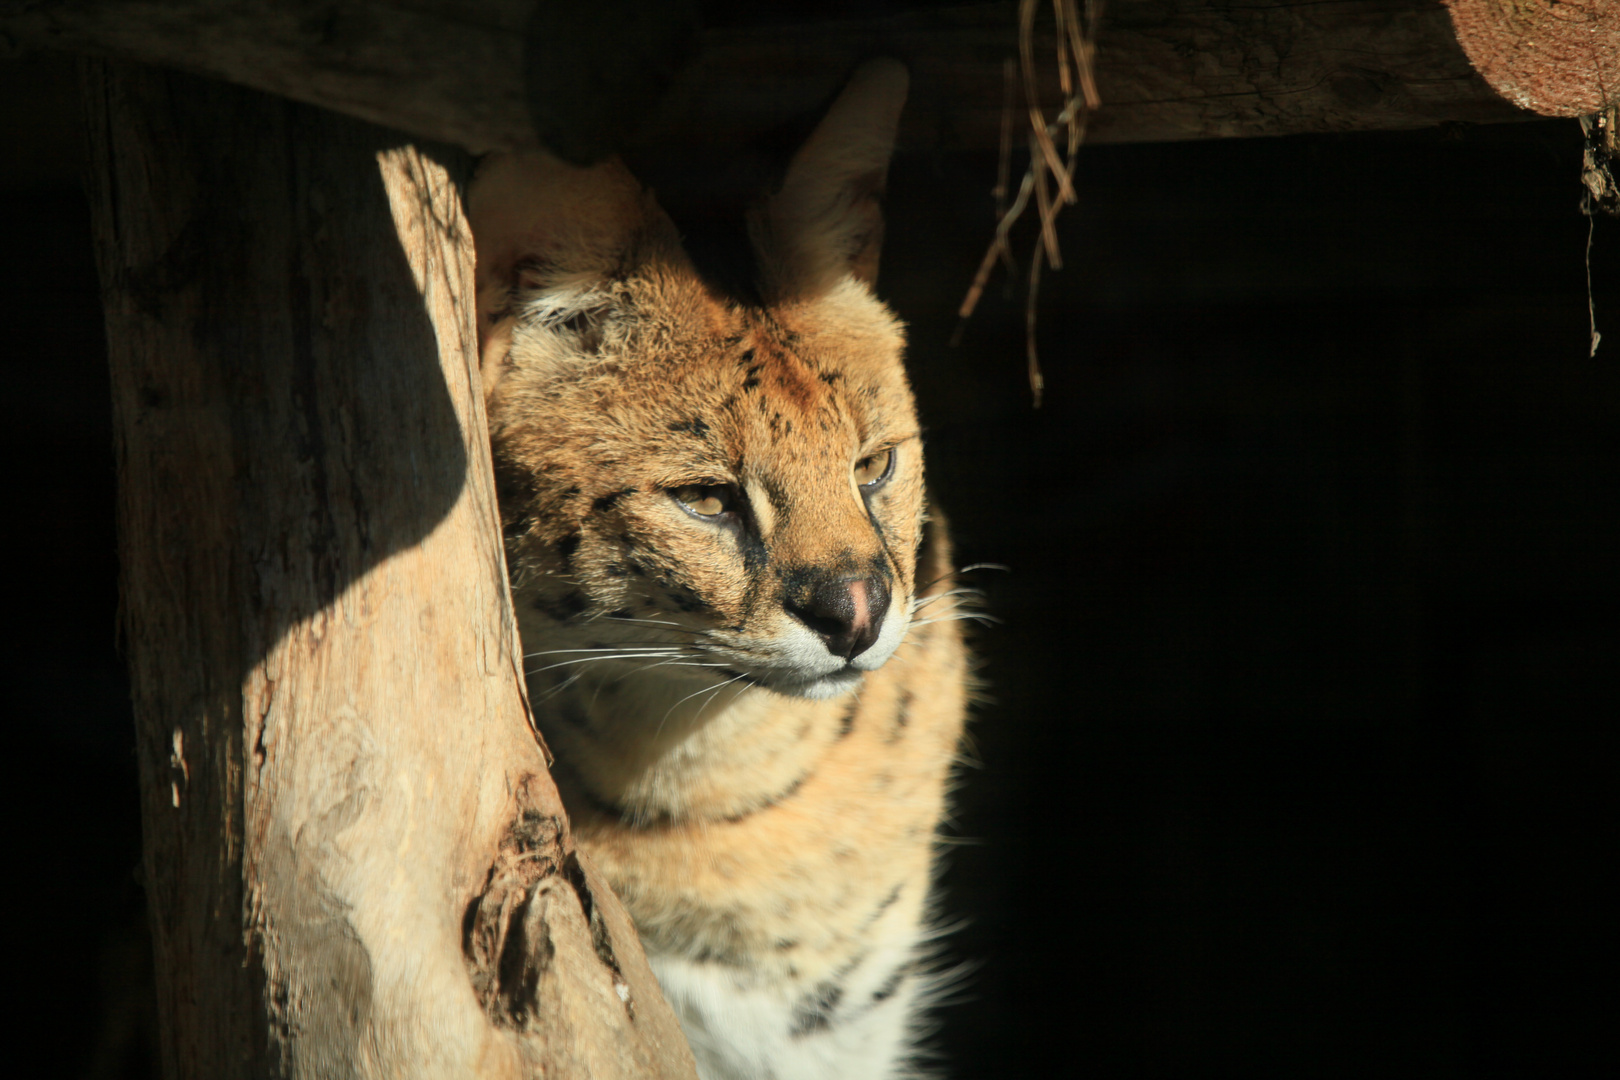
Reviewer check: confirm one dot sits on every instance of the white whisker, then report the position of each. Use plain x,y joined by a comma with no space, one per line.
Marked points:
923,601
716,687
651,647
666,663
968,569
959,616
659,622
589,659
559,688
716,697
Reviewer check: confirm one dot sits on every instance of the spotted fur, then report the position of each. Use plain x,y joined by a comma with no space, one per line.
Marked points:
754,752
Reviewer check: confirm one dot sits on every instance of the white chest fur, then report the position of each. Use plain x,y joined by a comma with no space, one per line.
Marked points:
740,1027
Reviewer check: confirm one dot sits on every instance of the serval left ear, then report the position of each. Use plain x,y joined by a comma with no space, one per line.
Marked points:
826,222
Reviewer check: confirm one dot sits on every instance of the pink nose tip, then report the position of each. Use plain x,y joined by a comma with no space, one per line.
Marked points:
847,613
857,599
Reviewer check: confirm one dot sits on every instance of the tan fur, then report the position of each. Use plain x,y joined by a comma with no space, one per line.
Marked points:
768,820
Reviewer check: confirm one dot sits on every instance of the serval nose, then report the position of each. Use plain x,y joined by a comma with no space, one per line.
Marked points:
846,613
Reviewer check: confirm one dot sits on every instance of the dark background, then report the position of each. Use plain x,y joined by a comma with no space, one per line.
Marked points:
1300,720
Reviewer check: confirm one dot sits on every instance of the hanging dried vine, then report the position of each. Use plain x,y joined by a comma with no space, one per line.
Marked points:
1049,166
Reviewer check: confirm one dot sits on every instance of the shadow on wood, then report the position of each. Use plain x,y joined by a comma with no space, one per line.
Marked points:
458,71
357,862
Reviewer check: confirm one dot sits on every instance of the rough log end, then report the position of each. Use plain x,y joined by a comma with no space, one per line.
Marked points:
1553,58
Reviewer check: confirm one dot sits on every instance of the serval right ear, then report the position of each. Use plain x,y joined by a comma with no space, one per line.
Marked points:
548,231
826,222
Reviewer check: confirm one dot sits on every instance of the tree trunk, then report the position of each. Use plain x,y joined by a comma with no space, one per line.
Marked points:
357,863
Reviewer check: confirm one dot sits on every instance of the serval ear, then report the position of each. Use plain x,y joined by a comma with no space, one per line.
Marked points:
549,238
826,222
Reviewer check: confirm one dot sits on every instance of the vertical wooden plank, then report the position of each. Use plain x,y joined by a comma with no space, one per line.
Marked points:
357,861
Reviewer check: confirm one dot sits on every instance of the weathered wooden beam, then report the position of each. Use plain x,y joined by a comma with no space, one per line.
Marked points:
357,864
1184,71
1166,70
437,69
454,70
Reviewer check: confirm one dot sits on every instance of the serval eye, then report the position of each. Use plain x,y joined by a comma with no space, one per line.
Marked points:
704,500
872,470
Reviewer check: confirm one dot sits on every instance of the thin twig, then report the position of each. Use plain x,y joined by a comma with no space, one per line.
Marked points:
997,246
1037,381
1078,85
1009,100
1032,94
1591,308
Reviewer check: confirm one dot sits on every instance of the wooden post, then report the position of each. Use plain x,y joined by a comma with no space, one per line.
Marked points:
357,863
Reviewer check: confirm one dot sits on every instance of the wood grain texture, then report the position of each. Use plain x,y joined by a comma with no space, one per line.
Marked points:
352,841
437,69
1553,57
454,70
1166,70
